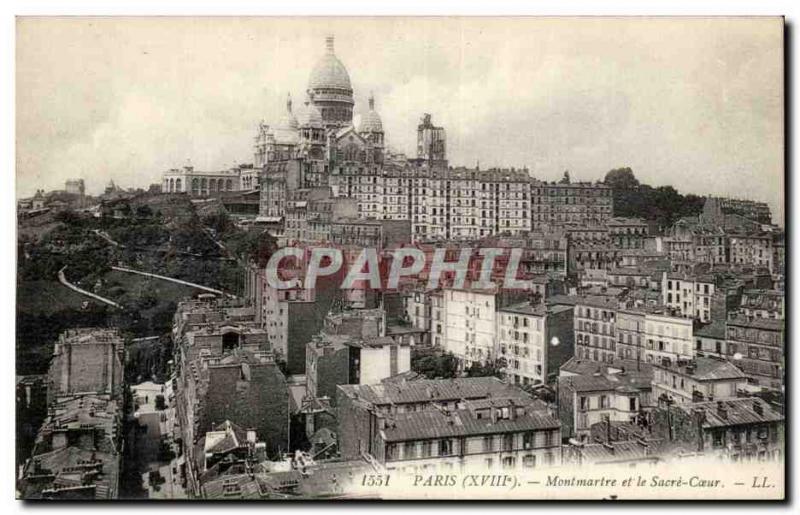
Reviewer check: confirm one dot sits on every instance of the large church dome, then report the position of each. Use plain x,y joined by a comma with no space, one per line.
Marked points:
329,72
330,89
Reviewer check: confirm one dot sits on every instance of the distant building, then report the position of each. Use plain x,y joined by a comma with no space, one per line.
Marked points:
199,183
471,325
534,341
690,295
758,343
87,360
594,318
764,304
759,212
627,233
696,380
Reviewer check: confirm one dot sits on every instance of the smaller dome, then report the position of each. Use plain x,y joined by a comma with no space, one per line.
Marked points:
310,116
371,120
288,121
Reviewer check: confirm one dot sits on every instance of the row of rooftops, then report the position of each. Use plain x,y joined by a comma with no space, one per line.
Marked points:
89,467
733,412
432,390
531,309
435,423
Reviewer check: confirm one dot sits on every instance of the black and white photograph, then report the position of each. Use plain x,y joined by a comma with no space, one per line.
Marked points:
273,258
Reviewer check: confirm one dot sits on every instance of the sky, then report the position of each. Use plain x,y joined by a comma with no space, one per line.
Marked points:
696,103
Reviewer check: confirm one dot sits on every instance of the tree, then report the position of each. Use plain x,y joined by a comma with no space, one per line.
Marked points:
621,179
219,222
490,369
144,211
434,363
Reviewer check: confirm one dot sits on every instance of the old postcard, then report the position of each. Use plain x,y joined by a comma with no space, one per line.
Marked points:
400,258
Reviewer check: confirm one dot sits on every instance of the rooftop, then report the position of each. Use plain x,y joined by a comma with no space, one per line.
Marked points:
433,390
705,369
749,410
585,367
628,381
756,322
430,424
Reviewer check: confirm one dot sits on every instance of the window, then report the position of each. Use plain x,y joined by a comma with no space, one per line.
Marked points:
409,450
426,449
509,462
527,440
445,447
529,461
488,443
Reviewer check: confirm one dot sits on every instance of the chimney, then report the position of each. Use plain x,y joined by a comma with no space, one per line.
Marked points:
722,410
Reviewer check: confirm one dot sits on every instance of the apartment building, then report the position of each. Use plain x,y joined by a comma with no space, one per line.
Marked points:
470,325
697,380
691,295
446,425
585,400
667,337
485,436
757,346
595,333
534,341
